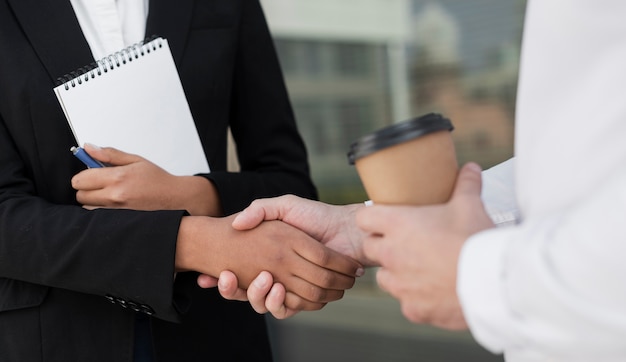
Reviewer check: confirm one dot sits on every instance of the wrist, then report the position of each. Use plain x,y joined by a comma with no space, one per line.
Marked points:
199,196
193,245
199,246
186,244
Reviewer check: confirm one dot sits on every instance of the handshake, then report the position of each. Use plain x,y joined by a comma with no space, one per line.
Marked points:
307,252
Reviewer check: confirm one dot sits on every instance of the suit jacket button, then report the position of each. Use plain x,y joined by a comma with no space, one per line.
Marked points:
147,309
121,302
134,306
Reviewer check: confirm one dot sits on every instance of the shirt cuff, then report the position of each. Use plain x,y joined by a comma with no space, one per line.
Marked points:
481,289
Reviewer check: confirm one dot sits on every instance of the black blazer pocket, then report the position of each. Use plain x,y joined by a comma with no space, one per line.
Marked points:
15,294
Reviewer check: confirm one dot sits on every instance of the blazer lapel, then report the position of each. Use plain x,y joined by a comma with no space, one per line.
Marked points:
54,32
170,19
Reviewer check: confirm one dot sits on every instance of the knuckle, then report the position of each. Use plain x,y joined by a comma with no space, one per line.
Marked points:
294,302
334,295
327,279
119,175
316,294
118,197
322,256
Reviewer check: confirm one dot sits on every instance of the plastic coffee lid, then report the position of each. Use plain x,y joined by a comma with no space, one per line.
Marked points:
398,133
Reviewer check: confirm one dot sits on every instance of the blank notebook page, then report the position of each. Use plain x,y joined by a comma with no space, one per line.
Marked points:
138,106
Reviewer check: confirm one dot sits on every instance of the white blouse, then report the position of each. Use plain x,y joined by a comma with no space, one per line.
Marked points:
110,25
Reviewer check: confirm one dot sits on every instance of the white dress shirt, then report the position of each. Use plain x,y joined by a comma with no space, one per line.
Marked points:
552,285
111,25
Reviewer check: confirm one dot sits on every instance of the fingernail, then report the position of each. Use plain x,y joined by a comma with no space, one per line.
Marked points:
93,146
360,272
260,282
474,167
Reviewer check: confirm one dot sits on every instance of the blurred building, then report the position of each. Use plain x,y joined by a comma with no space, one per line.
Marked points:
353,66
479,98
346,68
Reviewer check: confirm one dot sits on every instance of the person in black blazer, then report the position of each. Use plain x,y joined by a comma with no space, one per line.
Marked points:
73,281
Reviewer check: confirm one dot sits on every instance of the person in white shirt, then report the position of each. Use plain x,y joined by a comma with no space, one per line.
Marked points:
547,285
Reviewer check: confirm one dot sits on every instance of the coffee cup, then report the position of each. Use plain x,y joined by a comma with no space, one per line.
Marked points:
411,163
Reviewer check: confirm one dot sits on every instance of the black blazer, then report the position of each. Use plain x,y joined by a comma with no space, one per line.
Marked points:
61,266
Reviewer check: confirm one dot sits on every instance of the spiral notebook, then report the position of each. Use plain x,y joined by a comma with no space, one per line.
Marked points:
133,100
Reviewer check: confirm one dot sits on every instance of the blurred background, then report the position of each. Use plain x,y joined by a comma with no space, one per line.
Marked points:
353,66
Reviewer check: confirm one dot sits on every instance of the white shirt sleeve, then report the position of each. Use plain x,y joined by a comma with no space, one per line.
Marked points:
550,284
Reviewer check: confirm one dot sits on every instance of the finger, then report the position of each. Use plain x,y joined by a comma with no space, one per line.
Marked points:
259,290
227,286
383,279
249,218
469,181
206,281
98,197
341,269
376,218
88,180
320,277
110,155
311,292
373,249
275,303
295,302
259,210
91,207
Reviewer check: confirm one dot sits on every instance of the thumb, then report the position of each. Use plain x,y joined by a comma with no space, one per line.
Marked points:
251,216
469,181
264,209
110,155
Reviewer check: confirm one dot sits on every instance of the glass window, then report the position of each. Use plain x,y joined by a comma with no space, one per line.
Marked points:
352,59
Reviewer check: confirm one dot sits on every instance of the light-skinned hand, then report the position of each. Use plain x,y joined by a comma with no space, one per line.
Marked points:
418,249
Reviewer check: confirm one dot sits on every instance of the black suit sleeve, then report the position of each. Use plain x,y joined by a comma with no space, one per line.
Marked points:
100,252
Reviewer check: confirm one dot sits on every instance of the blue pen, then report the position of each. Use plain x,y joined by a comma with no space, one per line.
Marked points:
82,155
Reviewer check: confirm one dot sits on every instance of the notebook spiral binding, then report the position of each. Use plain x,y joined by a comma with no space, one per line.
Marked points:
110,62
